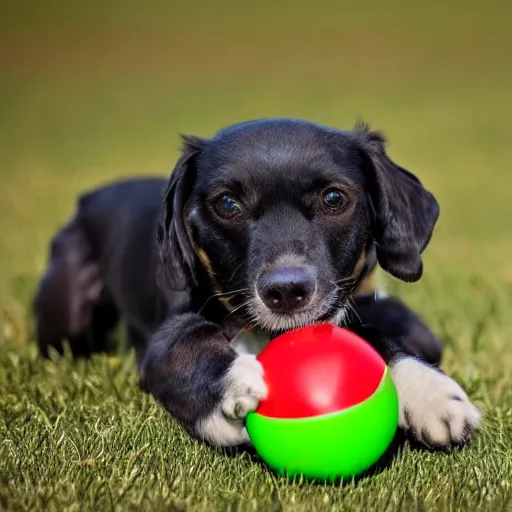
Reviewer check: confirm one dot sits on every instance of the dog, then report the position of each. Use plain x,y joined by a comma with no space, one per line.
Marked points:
268,226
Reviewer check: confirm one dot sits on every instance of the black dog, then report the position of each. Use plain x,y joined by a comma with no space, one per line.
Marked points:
268,226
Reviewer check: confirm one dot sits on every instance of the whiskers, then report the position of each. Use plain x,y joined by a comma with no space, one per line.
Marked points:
346,284
336,306
344,291
226,295
350,304
244,304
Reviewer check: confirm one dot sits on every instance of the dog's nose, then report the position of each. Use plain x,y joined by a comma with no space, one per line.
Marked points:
287,289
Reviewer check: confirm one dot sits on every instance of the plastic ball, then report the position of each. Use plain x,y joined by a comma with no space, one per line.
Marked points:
332,408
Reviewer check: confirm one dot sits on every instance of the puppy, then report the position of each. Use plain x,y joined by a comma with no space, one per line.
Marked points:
268,226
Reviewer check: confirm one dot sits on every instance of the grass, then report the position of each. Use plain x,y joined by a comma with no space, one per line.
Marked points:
92,94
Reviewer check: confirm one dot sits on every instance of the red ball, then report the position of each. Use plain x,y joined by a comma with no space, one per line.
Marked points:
318,370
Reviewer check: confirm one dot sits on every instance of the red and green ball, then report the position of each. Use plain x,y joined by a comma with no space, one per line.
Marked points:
332,407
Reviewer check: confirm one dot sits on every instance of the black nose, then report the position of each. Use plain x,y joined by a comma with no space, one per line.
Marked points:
287,289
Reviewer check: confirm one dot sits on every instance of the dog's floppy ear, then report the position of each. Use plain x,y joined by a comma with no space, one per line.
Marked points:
404,211
177,255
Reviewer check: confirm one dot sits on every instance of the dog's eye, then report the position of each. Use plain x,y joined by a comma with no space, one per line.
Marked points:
227,207
332,199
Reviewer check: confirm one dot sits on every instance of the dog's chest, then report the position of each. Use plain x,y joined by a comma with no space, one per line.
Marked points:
250,342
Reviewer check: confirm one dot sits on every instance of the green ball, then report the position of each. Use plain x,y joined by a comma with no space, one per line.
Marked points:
332,407
331,446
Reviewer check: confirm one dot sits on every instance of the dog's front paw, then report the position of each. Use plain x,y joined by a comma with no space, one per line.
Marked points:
245,388
433,407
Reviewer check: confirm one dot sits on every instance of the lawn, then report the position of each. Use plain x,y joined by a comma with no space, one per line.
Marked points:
93,94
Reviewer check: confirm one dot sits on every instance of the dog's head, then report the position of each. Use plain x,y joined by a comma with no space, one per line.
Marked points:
286,216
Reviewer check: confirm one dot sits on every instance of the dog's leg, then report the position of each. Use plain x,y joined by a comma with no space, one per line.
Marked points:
68,304
104,321
394,319
434,409
192,370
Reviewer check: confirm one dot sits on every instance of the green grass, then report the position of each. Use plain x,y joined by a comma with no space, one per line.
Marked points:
102,92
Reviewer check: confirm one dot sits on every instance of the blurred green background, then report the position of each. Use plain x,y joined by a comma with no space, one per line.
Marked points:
91,91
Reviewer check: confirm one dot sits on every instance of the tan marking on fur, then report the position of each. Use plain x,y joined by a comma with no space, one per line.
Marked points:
203,257
207,264
367,286
358,268
205,260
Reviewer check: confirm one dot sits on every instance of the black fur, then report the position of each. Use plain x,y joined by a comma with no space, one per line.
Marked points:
208,267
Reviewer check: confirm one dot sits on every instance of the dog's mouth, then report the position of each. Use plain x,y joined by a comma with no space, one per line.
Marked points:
330,308
288,298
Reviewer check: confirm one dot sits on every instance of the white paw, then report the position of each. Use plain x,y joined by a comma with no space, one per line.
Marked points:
245,388
433,407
